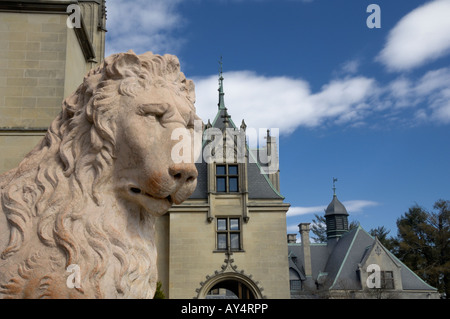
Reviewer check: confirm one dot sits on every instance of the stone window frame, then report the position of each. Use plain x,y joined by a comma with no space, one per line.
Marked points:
228,232
387,282
226,177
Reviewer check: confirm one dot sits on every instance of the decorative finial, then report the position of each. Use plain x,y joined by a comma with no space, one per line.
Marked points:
221,103
243,125
334,186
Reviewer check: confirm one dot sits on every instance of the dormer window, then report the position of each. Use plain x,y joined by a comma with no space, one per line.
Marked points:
227,178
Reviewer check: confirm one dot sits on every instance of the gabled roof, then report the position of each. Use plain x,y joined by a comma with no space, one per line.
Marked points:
293,264
259,185
410,281
341,265
377,248
201,191
344,259
319,256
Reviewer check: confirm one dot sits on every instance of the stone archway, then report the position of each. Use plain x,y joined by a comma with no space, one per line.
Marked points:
239,284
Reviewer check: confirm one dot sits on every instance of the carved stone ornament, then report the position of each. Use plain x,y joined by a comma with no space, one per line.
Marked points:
78,214
229,271
378,250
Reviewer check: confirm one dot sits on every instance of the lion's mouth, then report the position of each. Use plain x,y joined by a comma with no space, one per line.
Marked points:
138,191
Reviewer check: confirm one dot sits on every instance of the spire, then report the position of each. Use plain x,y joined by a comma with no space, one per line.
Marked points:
221,103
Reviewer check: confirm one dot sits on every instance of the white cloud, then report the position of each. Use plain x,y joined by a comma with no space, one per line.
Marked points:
434,86
432,90
296,210
143,26
288,103
358,206
352,206
350,67
419,37
283,102
292,229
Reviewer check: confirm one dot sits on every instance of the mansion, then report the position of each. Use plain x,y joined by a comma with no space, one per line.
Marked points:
229,239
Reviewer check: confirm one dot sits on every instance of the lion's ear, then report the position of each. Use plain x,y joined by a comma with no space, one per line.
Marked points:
122,65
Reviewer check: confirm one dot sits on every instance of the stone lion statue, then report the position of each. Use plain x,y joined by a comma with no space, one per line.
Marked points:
85,199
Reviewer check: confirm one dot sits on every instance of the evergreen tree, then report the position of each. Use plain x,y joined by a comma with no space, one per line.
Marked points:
319,229
423,244
381,233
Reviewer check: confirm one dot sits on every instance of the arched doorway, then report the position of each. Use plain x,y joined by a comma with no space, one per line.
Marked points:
230,289
230,286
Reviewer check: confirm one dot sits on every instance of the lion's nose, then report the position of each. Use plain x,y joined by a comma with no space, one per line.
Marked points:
183,172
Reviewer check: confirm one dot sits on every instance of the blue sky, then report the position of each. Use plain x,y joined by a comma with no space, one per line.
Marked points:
369,106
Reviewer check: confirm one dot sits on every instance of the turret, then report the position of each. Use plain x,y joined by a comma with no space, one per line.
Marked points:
336,218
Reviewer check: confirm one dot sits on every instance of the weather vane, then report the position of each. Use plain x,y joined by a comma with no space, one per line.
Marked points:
334,185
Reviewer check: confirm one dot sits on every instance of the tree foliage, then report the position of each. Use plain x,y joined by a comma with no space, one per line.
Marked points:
423,245
382,234
159,294
319,228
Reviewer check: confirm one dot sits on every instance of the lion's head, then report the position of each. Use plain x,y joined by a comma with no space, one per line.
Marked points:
89,193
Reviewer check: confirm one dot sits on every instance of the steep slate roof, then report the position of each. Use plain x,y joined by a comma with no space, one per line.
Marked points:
294,265
259,185
343,262
340,266
410,280
201,191
319,256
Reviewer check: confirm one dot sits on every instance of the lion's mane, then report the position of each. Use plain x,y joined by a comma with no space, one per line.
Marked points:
54,197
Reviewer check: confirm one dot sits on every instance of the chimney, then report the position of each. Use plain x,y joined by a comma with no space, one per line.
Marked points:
304,233
291,238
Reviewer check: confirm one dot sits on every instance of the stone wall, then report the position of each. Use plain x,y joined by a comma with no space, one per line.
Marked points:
190,254
41,63
32,63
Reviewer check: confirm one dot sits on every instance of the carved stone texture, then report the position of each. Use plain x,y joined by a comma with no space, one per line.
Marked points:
85,199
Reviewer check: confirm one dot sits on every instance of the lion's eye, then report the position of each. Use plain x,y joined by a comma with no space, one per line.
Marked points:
155,111
150,116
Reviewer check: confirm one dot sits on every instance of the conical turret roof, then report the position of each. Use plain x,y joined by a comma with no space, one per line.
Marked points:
335,208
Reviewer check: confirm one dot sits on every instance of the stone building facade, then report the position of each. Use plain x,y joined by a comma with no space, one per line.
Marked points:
231,238
42,61
350,264
230,235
